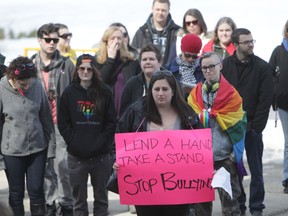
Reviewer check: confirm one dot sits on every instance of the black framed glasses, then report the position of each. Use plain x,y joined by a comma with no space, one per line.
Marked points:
194,22
28,66
210,67
188,55
247,42
48,40
66,35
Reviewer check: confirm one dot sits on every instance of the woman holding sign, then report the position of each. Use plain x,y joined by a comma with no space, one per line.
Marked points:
164,108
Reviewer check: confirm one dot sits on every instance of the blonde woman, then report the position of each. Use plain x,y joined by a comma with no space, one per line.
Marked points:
115,62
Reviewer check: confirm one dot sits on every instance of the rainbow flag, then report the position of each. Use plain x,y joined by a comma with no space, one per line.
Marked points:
228,112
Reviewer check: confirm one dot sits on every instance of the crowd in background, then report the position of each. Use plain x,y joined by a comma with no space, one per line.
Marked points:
60,111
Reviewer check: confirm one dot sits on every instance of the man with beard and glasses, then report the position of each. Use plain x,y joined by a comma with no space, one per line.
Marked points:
55,73
252,78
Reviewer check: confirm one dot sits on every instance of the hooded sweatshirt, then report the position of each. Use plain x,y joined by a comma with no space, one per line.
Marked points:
87,133
26,120
163,40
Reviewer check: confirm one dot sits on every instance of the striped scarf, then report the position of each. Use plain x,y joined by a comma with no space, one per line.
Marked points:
228,112
56,62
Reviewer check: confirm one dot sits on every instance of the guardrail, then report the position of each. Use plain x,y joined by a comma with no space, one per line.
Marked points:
29,51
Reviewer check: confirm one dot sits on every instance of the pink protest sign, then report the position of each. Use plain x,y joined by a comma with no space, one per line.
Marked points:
165,167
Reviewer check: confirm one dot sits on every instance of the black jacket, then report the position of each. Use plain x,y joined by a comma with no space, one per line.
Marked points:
134,89
279,63
134,119
147,33
86,133
253,81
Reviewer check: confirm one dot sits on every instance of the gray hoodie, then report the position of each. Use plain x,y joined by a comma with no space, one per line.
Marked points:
26,121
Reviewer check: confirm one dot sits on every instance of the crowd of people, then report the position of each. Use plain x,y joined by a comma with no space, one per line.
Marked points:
59,112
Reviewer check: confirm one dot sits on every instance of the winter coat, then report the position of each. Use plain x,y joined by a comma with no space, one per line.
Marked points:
26,121
164,40
134,119
88,134
134,89
109,71
62,78
211,47
279,63
253,80
174,68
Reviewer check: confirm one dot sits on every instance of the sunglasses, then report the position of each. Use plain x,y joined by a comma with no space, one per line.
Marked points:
187,55
48,40
66,35
28,66
194,22
82,69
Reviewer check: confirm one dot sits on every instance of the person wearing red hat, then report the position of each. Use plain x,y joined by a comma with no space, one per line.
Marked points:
185,67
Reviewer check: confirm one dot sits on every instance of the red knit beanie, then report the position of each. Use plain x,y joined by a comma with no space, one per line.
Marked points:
191,43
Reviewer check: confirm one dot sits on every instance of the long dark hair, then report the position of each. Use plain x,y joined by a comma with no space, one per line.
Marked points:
177,102
197,14
97,91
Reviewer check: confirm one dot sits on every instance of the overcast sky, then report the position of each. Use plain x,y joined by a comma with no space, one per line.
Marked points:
88,19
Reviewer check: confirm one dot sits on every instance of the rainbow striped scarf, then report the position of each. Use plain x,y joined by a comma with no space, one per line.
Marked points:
228,112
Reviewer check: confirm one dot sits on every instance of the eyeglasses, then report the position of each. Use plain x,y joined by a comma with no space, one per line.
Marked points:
188,55
66,35
125,34
194,22
247,42
28,66
210,67
82,69
48,40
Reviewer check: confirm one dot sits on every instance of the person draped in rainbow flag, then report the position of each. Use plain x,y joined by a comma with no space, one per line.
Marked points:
219,107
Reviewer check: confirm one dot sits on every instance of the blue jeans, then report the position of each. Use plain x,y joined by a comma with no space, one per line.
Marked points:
254,152
99,169
283,114
33,167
